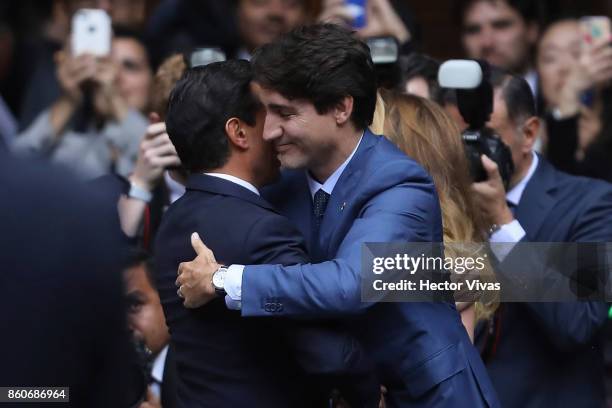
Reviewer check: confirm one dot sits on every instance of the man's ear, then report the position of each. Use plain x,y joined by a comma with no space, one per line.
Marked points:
531,130
343,110
234,129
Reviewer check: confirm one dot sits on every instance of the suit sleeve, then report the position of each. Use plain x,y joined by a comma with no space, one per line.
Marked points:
325,350
406,211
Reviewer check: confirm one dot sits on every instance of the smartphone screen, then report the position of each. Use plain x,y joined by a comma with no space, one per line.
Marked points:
358,10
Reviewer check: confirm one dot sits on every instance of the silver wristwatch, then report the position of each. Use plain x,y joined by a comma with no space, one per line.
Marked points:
218,281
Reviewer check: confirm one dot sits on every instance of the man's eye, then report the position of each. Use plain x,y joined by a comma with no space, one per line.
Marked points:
502,24
472,29
134,307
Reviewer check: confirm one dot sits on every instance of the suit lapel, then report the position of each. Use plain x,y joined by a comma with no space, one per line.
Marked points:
537,200
299,208
344,190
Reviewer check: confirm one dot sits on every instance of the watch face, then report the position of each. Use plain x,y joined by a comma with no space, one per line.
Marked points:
218,279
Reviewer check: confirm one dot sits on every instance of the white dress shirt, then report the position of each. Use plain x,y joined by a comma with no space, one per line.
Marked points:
157,372
233,278
512,232
175,189
235,180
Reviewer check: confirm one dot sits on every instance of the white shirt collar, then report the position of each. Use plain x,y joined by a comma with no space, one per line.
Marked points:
515,194
236,180
330,183
158,365
532,79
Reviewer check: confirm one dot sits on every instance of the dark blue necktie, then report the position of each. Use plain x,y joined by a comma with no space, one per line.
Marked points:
321,198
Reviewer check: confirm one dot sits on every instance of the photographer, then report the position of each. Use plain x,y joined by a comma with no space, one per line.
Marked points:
559,343
95,126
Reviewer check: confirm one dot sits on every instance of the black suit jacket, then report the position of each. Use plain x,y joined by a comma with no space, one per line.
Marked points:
224,359
168,386
63,318
550,354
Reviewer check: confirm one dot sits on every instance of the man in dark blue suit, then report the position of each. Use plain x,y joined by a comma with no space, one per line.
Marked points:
541,354
319,89
216,123
63,317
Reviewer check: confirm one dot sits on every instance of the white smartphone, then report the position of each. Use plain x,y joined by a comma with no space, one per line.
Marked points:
91,32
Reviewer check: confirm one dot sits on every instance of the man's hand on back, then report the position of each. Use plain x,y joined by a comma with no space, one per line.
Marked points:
194,280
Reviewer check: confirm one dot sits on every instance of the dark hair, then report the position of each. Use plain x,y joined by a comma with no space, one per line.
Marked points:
137,256
320,63
127,33
530,10
516,93
200,104
420,65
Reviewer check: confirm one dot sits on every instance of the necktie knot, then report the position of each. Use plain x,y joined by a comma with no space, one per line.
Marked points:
321,198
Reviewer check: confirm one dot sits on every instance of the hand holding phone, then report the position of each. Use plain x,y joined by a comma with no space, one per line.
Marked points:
595,29
596,59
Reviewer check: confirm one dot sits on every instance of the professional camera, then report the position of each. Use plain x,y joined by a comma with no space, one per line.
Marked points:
385,56
470,80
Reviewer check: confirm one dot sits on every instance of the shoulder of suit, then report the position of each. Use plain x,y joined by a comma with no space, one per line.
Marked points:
388,162
583,187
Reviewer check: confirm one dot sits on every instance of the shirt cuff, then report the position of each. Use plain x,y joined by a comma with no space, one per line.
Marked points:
233,287
509,234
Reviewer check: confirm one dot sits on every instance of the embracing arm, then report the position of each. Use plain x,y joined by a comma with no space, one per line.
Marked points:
406,212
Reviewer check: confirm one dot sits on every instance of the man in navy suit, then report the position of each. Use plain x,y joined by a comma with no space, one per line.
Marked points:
63,317
542,354
319,89
216,123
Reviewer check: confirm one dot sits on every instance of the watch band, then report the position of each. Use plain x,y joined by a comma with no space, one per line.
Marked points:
140,193
220,289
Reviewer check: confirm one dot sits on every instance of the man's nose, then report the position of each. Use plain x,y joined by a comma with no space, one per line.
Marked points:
272,130
487,40
276,9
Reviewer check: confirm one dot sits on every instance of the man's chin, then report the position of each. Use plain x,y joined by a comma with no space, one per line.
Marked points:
291,163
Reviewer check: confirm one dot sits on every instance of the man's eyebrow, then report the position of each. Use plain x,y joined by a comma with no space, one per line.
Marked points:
277,107
502,22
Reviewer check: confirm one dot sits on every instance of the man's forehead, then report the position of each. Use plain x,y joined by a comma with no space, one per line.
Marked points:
270,96
481,11
499,116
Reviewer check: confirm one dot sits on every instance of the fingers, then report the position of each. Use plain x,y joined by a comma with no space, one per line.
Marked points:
202,249
337,13
151,400
491,168
155,130
168,161
600,44
159,140
154,117
161,148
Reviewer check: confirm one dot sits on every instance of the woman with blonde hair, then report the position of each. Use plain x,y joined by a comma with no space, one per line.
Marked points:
425,132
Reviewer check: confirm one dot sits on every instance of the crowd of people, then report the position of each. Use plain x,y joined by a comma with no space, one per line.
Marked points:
187,214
